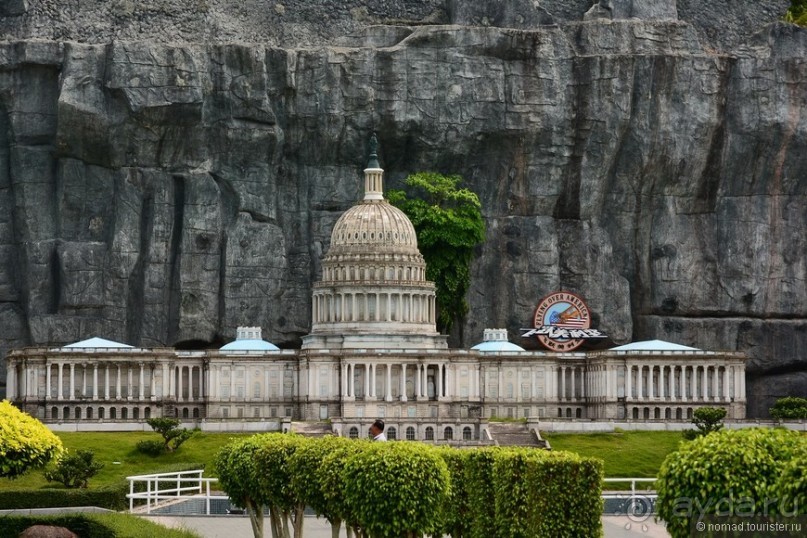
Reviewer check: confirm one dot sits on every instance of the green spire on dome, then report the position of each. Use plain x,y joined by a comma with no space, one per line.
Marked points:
373,163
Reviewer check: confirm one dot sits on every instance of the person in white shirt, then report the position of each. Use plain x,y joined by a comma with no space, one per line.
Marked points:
377,430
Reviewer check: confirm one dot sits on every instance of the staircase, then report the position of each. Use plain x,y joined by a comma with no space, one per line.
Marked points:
312,429
515,434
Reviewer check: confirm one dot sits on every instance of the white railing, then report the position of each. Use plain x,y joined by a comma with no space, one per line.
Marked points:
171,486
641,504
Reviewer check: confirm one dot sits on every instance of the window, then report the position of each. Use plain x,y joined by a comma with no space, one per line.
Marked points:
89,412
136,413
66,413
185,412
54,412
466,433
113,413
410,433
77,413
256,412
195,412
429,433
101,413
353,433
225,412
147,413
448,434
392,433
124,413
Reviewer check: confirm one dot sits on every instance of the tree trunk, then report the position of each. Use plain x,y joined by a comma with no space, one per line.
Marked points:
298,518
336,526
255,518
274,518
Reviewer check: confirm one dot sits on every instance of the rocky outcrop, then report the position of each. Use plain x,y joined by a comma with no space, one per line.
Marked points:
164,194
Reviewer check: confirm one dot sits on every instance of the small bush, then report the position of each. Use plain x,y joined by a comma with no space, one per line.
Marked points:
173,435
25,443
74,470
112,498
789,408
706,420
151,447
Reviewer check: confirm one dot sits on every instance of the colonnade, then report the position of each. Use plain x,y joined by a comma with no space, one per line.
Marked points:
387,273
688,383
419,373
406,307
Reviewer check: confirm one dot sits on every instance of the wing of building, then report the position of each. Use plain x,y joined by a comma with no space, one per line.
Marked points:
373,352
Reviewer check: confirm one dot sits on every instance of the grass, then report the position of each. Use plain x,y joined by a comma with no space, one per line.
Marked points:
112,524
119,447
626,454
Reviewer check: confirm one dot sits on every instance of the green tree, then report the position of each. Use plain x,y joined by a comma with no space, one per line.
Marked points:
25,443
285,507
74,470
173,435
797,13
240,477
330,477
790,407
449,225
396,490
730,468
706,420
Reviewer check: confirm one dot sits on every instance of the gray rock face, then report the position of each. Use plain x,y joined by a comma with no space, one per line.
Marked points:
629,9
165,194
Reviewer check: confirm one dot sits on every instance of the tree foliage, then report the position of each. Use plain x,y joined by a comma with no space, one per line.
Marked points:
797,13
74,470
173,435
790,407
730,469
706,420
449,225
25,443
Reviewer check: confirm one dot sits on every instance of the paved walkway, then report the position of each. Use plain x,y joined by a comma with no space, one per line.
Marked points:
239,527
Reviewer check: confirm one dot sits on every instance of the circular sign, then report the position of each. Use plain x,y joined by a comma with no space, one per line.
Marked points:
564,320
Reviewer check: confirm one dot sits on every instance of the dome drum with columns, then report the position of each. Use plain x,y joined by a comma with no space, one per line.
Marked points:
373,352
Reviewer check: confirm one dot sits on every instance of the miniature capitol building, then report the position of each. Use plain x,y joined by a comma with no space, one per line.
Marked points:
373,351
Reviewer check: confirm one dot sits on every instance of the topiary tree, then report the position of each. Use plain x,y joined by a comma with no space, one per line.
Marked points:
706,420
173,435
396,489
25,443
74,470
240,477
797,13
449,225
728,470
790,407
330,477
285,507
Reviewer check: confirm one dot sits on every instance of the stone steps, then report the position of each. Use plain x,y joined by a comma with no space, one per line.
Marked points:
515,434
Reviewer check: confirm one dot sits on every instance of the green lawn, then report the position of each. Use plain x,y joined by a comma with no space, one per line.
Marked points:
120,447
626,454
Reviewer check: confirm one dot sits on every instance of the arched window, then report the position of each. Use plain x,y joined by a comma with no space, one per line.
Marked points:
578,413
195,412
646,413
353,433
568,412
66,413
101,413
636,413
466,433
54,413
185,412
410,433
392,433
429,433
657,413
89,412
113,413
448,434
147,413
689,412
679,413
667,413
124,413
560,412
77,413
136,413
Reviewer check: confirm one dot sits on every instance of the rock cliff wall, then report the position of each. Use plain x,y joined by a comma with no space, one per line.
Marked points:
163,194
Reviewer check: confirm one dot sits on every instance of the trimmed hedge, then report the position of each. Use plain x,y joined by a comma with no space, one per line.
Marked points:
731,472
407,489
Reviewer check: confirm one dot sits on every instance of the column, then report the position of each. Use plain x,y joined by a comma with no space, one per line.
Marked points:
705,383
106,382
417,382
662,386
344,380
629,382
574,383
366,381
153,384
47,381
403,382
60,389
562,383
388,395
640,383
129,384
725,393
11,381
84,380
714,383
180,383
95,381
117,385
439,381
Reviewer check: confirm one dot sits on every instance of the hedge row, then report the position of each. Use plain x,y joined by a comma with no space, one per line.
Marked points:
397,489
94,526
734,476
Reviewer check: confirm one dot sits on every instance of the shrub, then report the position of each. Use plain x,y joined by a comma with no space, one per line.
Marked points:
173,435
797,13
94,526
790,407
706,420
151,447
112,498
25,443
721,470
74,470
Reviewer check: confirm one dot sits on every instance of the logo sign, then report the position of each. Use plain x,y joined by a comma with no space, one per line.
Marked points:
562,322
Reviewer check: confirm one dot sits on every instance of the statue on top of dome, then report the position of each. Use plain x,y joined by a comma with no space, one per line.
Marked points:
373,163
